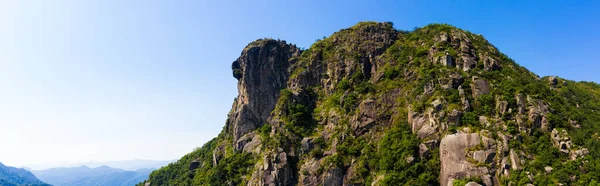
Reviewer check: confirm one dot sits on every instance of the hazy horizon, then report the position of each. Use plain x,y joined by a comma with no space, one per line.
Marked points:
94,164
114,80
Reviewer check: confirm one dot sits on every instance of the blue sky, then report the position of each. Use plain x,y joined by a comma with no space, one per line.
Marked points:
105,80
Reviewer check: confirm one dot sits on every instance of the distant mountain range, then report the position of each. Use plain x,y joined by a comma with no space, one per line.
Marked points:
99,176
11,176
130,165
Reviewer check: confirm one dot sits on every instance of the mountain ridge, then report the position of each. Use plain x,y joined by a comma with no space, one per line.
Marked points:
84,175
131,165
372,105
11,176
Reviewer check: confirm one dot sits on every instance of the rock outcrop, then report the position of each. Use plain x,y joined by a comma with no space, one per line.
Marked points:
460,153
479,86
262,71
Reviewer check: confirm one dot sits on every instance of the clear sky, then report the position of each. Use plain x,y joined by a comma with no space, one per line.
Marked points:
102,80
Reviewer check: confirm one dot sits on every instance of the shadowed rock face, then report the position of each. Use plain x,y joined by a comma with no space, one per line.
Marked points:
479,86
262,71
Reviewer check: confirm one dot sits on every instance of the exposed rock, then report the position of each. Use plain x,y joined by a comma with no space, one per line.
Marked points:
249,143
545,125
553,80
416,120
574,124
437,105
484,121
262,72
218,153
521,107
428,88
487,154
468,63
351,174
515,161
538,110
479,86
275,170
505,167
453,81
366,41
465,47
423,150
410,159
548,169
490,64
423,125
561,140
460,40
463,99
501,106
310,167
454,164
443,37
473,184
487,180
367,115
483,156
307,144
447,60
334,177
377,180
574,154
454,118
504,143
529,176
428,129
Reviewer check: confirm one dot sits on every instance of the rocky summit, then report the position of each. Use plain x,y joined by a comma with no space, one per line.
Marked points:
372,105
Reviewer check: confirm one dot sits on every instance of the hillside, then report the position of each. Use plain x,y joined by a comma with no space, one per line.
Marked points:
372,105
100,176
11,176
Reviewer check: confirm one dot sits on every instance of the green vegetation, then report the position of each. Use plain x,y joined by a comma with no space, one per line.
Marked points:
296,116
396,148
230,168
228,171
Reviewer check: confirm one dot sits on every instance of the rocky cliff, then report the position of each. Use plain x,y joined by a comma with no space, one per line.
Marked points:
372,105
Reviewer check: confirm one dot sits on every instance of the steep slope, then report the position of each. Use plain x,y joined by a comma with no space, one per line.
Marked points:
371,105
99,176
11,176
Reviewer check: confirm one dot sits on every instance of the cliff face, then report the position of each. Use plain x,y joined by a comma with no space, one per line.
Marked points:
262,71
371,105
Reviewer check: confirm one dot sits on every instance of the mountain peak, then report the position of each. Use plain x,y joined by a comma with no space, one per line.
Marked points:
372,105
18,176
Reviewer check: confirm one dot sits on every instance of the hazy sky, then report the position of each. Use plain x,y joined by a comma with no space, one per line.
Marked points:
102,80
